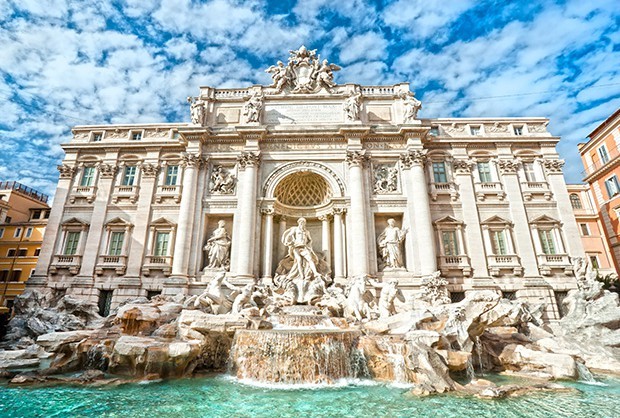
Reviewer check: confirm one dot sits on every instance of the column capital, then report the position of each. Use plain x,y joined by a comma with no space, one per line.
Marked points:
107,171
149,170
267,211
194,160
463,166
507,166
552,166
66,171
357,158
413,157
339,211
249,159
324,218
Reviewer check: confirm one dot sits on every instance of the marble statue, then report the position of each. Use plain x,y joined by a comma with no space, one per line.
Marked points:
214,297
253,108
411,107
386,179
351,106
389,243
222,181
197,110
389,293
435,290
218,248
299,243
325,74
280,75
357,304
244,299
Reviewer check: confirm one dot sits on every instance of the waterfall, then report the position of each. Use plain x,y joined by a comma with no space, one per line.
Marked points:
397,358
471,373
585,376
478,352
96,358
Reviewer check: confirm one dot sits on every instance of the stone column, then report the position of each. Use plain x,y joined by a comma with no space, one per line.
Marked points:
139,235
553,170
90,255
267,243
523,237
471,218
417,193
245,218
358,214
281,230
325,237
339,270
182,245
48,247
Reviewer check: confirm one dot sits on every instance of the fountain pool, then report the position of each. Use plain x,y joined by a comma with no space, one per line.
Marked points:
221,396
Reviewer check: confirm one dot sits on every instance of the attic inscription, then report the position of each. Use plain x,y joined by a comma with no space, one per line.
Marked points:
302,113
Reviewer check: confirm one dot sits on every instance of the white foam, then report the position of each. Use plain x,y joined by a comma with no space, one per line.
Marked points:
340,383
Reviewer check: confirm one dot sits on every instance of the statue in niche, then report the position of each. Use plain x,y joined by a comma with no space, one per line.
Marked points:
222,181
389,293
352,105
389,243
217,248
197,110
411,106
386,179
253,108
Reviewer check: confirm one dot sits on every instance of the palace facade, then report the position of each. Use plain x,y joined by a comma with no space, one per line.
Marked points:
161,208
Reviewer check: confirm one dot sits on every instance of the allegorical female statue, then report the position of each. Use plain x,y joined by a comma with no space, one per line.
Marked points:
390,245
218,248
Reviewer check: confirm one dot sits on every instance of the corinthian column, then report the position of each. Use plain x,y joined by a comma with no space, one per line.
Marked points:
244,230
418,202
267,243
339,265
359,239
182,245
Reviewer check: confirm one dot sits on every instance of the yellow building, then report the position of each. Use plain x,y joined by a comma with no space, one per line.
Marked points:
23,217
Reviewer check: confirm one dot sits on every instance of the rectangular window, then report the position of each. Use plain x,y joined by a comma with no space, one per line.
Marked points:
105,301
530,172
129,175
22,252
172,174
4,275
475,130
602,152
88,176
116,243
71,243
136,136
439,172
484,172
11,252
585,231
594,262
450,243
36,214
97,136
518,130
17,233
16,275
546,241
161,243
612,186
28,232
498,239
37,252
1,232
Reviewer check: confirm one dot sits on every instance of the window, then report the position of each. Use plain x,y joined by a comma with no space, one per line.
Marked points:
546,241
518,130
46,214
559,299
36,214
434,131
37,252
475,130
11,252
161,243
105,301
150,294
602,152
16,275
28,232
484,172
71,243
172,174
594,262
530,172
498,241
116,243
22,252
509,295
439,172
129,175
136,136
450,243
1,232
612,186
97,136
17,233
575,201
88,176
585,231
8,219
4,275
456,297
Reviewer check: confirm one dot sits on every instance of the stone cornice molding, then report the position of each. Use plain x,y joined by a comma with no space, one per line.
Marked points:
357,158
552,166
249,159
463,166
508,166
66,171
193,160
413,157
149,170
107,171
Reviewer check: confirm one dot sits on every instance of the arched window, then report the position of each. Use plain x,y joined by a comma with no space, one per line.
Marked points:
575,201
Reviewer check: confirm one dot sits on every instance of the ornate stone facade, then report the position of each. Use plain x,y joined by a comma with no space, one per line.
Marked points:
482,201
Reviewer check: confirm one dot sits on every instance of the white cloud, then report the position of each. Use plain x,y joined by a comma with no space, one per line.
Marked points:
368,46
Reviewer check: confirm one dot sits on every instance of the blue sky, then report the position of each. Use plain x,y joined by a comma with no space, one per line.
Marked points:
64,63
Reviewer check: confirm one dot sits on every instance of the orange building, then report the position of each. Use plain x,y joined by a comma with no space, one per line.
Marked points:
601,159
23,217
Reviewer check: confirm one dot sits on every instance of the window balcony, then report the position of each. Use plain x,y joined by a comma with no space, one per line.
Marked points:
448,189
455,262
498,262
157,262
489,189
164,192
68,262
549,262
532,188
111,262
88,193
129,193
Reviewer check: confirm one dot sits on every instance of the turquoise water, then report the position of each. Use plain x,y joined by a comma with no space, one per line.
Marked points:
222,397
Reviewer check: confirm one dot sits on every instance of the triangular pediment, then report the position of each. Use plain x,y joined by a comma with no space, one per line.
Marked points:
447,220
496,220
544,219
162,222
74,222
118,222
